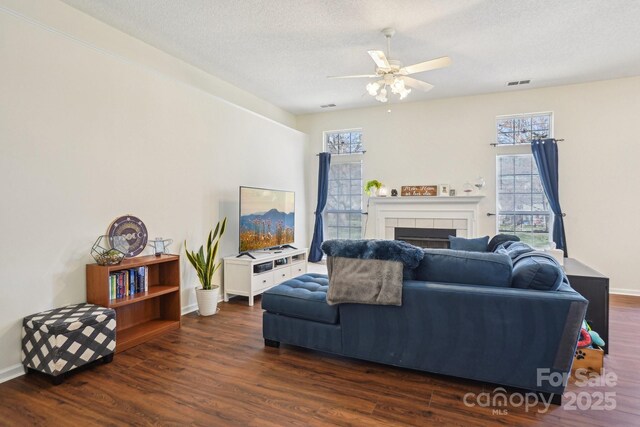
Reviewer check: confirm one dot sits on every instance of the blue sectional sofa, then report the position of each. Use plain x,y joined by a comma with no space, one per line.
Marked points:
460,316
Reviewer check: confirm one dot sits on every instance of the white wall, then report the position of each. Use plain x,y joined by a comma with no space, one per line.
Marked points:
58,16
87,135
447,141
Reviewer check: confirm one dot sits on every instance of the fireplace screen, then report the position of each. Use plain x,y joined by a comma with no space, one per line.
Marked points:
435,238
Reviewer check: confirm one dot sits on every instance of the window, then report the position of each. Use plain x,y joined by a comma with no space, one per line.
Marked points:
522,207
343,214
344,142
522,128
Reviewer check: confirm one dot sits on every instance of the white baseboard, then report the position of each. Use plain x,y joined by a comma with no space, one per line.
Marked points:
189,309
11,372
620,291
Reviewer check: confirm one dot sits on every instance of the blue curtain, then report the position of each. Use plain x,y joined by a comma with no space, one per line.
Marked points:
545,152
315,252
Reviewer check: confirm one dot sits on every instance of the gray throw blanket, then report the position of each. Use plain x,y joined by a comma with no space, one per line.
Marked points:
364,281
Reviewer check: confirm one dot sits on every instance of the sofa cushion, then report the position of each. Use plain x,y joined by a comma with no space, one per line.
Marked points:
538,271
304,297
472,245
499,239
473,268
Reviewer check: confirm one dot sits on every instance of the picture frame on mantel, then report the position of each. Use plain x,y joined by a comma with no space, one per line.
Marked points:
443,190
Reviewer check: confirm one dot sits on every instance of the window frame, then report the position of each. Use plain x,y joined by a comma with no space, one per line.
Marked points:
325,139
522,116
522,150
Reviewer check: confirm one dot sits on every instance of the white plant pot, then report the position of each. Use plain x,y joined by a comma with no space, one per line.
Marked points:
207,301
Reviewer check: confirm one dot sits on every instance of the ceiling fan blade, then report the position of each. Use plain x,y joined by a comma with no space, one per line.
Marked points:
360,76
433,64
379,58
417,84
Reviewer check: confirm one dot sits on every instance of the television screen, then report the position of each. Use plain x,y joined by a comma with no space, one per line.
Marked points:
267,218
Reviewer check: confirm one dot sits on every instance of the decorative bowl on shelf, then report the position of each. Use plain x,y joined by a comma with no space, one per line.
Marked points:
479,183
108,250
467,188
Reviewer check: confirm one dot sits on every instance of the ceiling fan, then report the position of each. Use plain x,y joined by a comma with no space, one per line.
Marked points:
391,73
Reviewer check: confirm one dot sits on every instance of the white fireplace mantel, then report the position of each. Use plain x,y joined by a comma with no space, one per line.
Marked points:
459,212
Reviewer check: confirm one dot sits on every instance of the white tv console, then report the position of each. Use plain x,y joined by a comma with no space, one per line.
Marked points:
250,277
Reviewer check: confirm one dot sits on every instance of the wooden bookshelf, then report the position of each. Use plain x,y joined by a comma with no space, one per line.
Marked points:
145,315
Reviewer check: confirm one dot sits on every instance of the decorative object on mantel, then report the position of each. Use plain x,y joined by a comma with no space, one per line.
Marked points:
443,190
106,253
134,232
452,192
382,191
205,265
372,187
467,188
160,245
479,183
419,190
394,192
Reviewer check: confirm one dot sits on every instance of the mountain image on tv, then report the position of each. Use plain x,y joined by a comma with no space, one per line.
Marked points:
267,218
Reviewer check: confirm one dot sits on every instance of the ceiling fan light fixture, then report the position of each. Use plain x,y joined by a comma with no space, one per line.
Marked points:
397,86
382,96
404,93
372,88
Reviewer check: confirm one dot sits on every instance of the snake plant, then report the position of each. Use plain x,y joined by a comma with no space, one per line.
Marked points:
205,261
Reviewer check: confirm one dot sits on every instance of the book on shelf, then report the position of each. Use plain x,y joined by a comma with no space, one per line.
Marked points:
128,282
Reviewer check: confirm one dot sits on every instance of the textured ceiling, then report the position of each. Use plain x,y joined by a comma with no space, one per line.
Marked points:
282,50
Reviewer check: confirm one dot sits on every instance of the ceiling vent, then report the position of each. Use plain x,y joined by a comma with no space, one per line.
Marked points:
328,106
518,82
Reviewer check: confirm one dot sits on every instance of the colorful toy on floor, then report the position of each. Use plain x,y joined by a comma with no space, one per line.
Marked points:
588,337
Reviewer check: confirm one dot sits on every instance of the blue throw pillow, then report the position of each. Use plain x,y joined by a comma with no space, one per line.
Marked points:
471,245
514,249
538,271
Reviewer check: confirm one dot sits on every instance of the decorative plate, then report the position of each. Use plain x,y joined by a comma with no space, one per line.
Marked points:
133,230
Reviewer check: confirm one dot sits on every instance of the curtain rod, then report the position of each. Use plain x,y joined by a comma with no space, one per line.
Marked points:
359,152
495,144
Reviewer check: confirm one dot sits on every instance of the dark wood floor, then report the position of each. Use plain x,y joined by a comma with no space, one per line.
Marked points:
216,371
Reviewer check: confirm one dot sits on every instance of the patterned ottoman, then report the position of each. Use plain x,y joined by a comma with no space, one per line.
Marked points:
57,341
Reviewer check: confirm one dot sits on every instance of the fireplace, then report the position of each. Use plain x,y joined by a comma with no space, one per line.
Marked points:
456,215
436,238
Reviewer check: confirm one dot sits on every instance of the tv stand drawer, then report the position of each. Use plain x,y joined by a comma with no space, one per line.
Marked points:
262,281
298,269
281,274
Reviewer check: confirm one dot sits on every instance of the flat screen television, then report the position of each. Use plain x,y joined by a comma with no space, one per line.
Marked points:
267,218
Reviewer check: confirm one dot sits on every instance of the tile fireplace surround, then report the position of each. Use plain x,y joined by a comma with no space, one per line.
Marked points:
459,213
